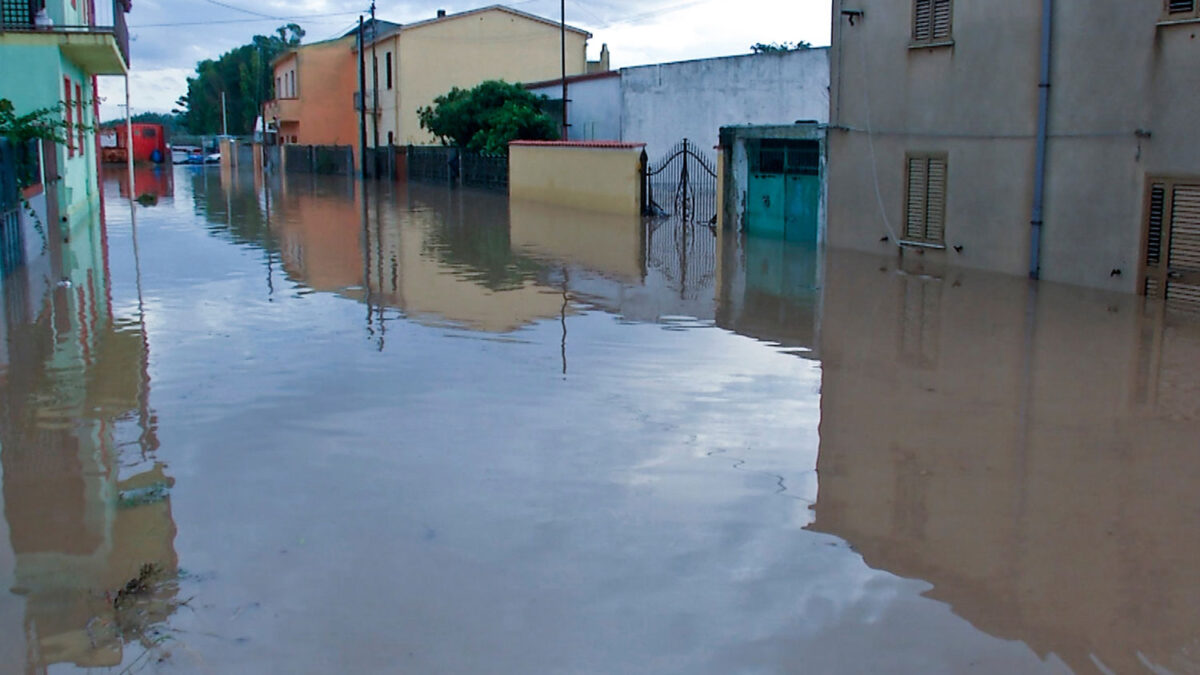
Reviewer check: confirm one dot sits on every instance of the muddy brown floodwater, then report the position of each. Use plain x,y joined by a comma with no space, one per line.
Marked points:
428,431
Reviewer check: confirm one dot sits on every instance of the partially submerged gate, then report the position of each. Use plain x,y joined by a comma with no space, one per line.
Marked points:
683,185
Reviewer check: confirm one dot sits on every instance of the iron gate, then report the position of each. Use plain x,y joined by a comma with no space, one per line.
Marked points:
683,186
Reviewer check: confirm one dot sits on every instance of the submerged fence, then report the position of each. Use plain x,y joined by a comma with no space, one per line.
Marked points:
326,159
456,166
14,159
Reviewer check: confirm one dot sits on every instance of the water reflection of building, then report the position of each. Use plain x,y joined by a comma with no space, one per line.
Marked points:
769,289
1032,456
85,502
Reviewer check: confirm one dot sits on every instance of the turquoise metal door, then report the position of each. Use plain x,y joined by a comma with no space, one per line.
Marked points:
803,198
766,205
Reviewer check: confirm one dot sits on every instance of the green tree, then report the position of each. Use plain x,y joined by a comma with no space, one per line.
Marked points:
488,116
244,75
779,47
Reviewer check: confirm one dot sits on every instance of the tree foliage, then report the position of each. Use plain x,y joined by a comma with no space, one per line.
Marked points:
245,76
779,47
488,116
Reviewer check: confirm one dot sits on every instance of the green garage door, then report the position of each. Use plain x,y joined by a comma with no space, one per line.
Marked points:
784,189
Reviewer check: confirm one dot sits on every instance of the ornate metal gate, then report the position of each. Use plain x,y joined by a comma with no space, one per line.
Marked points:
683,186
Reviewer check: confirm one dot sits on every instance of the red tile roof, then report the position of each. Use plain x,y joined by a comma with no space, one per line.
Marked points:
620,145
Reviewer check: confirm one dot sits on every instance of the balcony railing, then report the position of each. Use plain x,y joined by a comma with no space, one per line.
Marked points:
107,18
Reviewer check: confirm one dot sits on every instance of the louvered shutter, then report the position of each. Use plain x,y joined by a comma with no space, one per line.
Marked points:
918,184
941,19
922,20
1184,292
1181,6
1154,240
935,202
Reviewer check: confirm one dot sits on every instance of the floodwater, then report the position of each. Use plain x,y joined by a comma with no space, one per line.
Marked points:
295,428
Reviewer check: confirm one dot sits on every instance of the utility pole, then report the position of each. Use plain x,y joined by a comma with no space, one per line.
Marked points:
362,100
224,119
563,30
374,91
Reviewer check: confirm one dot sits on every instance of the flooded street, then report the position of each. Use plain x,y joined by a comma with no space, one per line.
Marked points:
292,428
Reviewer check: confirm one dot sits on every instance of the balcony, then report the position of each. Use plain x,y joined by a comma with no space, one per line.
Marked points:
283,109
101,47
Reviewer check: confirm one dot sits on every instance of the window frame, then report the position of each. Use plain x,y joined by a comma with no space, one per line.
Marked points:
1185,16
925,241
932,40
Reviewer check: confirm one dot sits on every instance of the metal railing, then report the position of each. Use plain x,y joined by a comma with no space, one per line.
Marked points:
22,15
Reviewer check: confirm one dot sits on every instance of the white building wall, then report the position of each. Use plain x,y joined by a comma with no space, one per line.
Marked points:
593,107
664,103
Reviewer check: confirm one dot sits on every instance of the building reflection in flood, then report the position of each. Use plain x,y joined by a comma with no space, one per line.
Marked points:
770,289
85,501
1031,453
463,258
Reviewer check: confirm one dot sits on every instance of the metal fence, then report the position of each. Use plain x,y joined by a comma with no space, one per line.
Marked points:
327,159
452,165
485,171
12,245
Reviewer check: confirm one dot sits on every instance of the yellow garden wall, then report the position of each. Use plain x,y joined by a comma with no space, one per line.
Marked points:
593,176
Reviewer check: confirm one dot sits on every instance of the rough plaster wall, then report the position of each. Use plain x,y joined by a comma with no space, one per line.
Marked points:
662,104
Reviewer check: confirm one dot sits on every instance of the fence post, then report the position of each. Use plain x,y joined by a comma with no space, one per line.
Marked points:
643,162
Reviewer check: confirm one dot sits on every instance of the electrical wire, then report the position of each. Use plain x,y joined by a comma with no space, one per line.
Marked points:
239,9
866,87
230,21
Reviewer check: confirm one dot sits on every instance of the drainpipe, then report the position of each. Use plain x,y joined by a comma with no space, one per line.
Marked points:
1039,179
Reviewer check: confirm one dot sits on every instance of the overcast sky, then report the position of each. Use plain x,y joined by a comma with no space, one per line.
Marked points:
170,36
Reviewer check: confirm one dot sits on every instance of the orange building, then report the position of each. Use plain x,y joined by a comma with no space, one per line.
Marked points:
328,73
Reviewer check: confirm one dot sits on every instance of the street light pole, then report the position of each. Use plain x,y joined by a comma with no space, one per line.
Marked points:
563,30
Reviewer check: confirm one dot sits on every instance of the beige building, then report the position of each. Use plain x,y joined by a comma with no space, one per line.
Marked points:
420,61
934,137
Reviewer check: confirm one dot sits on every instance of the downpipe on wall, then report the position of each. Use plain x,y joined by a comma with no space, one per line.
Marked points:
1039,179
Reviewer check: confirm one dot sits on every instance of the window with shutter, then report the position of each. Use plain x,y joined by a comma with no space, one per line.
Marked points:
1171,252
1175,10
925,200
932,21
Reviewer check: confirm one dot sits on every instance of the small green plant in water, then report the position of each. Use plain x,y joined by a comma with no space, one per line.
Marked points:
147,199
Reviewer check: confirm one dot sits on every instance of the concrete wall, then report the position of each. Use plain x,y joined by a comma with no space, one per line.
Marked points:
593,107
662,104
604,178
1116,70
462,51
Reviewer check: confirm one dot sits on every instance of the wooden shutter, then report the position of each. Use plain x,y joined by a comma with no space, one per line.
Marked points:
1180,7
925,200
918,187
1156,216
1183,289
941,19
79,116
935,215
69,111
922,20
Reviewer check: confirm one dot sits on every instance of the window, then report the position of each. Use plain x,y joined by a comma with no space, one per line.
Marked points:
932,20
391,138
1176,10
69,111
1171,236
278,88
79,115
292,77
925,200
388,60
792,157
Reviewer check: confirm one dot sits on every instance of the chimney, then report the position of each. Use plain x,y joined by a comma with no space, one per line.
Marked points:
441,13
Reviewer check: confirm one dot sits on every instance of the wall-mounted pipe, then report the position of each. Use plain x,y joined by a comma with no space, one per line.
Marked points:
1039,178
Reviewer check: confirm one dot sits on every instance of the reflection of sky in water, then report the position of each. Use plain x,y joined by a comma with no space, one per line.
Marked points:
396,474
